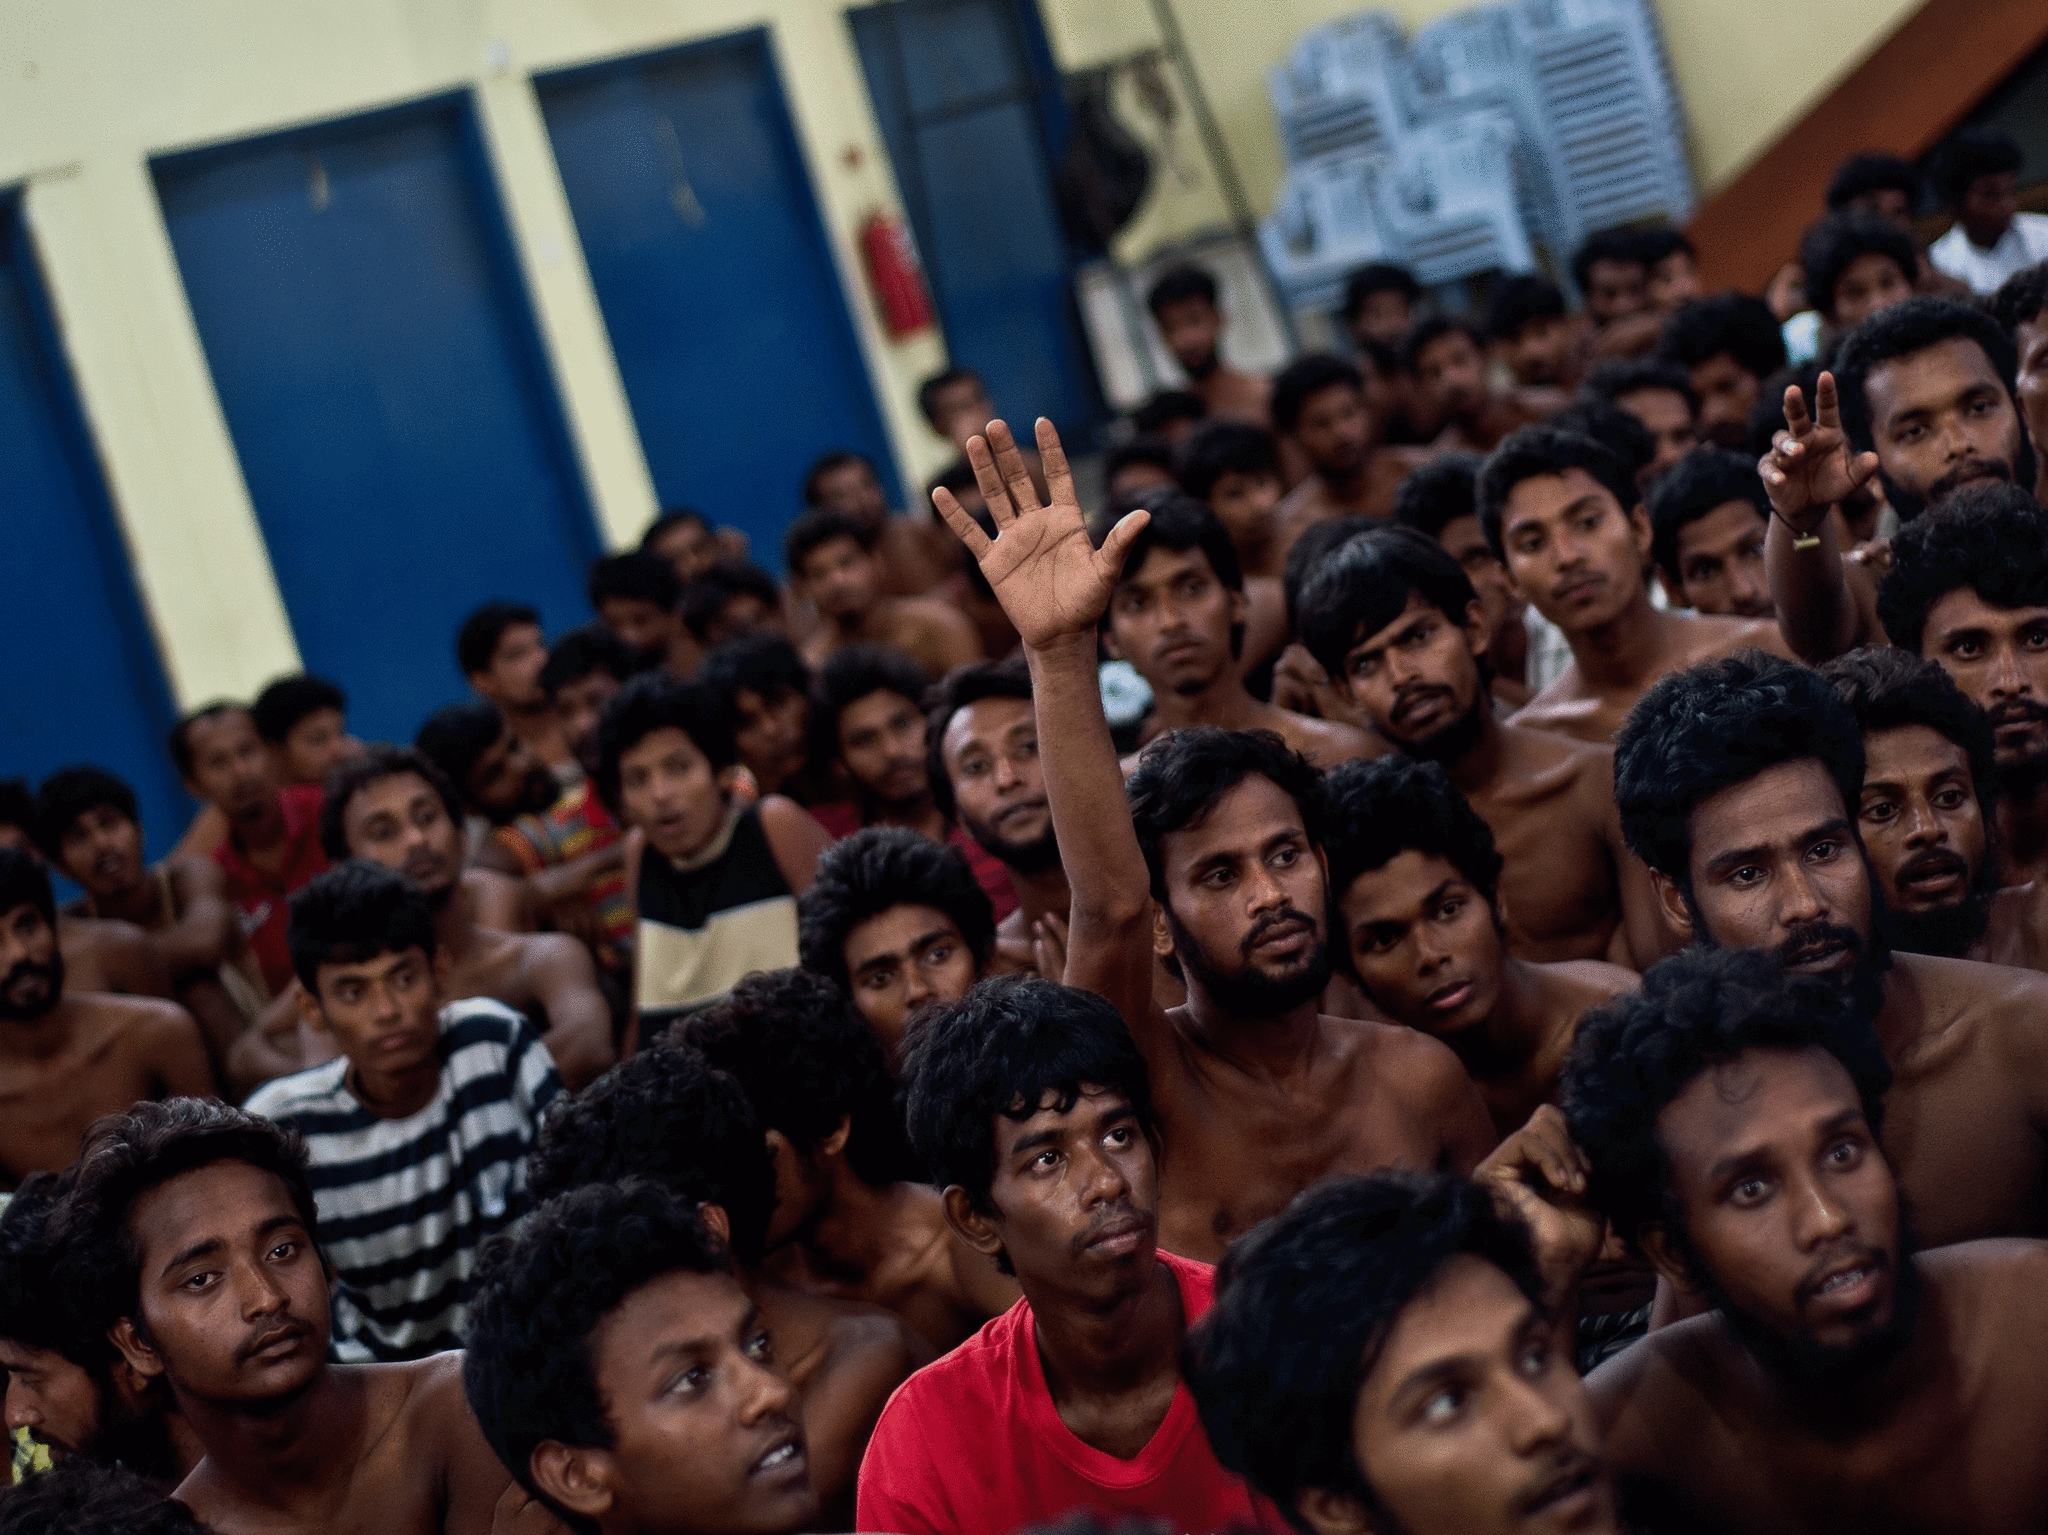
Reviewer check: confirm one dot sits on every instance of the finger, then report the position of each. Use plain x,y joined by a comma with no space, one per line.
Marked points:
1827,401
988,479
1016,473
1117,547
1795,411
1861,468
964,527
1059,479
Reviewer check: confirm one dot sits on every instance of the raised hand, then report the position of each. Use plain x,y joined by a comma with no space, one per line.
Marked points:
1809,468
1052,581
1538,1175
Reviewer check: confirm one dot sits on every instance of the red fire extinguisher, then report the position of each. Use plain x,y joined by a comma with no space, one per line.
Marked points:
895,275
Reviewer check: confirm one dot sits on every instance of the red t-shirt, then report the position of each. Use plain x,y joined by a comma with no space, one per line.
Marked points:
841,820
973,1445
265,916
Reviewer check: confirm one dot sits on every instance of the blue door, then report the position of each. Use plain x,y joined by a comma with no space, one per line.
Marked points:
362,313
969,108
711,265
85,685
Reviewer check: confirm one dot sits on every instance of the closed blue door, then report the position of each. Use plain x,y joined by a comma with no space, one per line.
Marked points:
371,343
85,684
717,285
969,106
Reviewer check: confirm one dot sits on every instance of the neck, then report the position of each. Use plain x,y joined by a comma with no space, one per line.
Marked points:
1345,485
1482,764
1222,702
139,903
919,814
1041,894
858,1229
1111,1346
1511,1034
1623,652
276,1451
2023,824
871,623
38,1039
1275,1047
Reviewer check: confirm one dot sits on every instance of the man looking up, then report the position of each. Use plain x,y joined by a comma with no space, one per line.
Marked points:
584,1320
847,1223
1395,622
1658,394
1730,343
1732,1115
1259,1093
1352,1331
1565,516
199,1220
1991,239
896,922
1029,1104
1182,300
1737,783
1708,520
1447,358
394,808
832,560
500,650
1440,501
1235,468
1178,615
1416,879
637,597
1319,405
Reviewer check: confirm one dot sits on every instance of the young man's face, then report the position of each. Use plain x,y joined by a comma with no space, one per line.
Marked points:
102,850
1873,282
689,547
1077,1195
1335,430
314,747
512,680
1721,562
1923,826
1790,1210
1940,418
990,749
1573,550
384,1012
1245,503
770,734
1172,620
1384,317
231,767
1667,416
578,704
904,959
1426,944
853,489
1999,658
706,1432
1727,393
234,1302
640,624
1473,1421
1246,901
1775,865
1674,280
1988,207
508,781
400,823
1451,371
1191,328
1464,540
881,741
961,409
842,578
1539,351
31,969
1418,678
668,788
54,1399
1616,289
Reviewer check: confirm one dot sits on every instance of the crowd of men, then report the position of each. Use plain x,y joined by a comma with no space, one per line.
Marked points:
1461,950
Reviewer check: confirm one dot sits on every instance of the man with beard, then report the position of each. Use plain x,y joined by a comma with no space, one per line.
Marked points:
490,764
1731,1116
1392,618
1730,344
501,651
1319,405
68,1388
983,744
1183,304
1738,782
1928,813
393,807
1708,521
66,1058
1259,1093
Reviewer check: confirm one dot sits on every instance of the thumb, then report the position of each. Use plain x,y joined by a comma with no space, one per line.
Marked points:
1117,546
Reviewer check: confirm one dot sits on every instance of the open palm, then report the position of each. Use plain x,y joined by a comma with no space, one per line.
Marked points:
1050,578
1809,467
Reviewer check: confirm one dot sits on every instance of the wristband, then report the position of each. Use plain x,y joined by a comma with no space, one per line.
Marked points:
1801,542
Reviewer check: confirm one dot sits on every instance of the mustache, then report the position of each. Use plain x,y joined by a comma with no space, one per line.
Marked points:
1286,916
2016,711
1407,699
266,1338
1122,1213
1969,469
1936,860
1862,1256
1813,938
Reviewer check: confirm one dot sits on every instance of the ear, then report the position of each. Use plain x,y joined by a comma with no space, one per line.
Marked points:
835,1144
140,1357
1671,902
309,1010
1478,633
728,778
1656,1245
715,1220
578,1477
1639,525
969,1224
1332,1513
1162,935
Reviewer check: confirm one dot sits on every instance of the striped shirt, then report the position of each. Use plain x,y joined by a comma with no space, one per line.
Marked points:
405,1204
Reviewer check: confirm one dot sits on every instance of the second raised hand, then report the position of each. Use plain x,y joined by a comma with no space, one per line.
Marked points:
1052,582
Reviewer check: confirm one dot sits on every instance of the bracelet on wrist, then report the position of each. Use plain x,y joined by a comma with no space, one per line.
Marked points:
1801,540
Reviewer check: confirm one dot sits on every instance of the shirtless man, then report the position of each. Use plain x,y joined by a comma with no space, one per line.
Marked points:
1738,782
2022,310
493,769
202,1222
1183,304
638,597
1259,1095
1178,615
501,651
985,775
832,560
1319,405
1393,619
1734,1118
916,553
1930,834
303,719
1729,343
1235,468
1657,394
853,1216
1565,517
68,1057
1707,532
1441,501
1449,362
666,1114
1416,879
396,809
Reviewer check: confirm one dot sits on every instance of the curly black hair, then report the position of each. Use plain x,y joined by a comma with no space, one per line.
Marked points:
68,794
1860,175
1179,522
583,651
1304,1303
1990,536
1519,300
1366,585
25,882
877,868
1715,725
807,1064
1976,149
1179,283
374,764
962,686
282,704
1216,448
1431,498
1181,776
1900,331
1529,452
1618,376
477,640
1705,478
818,527
1302,380
1696,1010
39,1298
1391,805
1378,277
1888,688
2021,298
1621,246
850,674
634,576
708,595
542,1289
354,912
79,1496
1318,541
455,736
670,1115
1620,432
765,663
1433,328
1738,324
657,701
1828,248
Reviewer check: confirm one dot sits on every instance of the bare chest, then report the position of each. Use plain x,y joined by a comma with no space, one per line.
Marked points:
1555,878
45,1105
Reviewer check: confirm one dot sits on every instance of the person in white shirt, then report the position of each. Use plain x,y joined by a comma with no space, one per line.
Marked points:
1991,239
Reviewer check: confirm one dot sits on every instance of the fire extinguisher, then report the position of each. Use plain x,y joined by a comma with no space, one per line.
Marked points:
895,275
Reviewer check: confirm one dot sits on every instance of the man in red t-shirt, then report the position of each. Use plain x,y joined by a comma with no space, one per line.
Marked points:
1031,1106
273,841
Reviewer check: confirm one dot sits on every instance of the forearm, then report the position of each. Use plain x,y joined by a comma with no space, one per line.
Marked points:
579,1035
568,879
1084,787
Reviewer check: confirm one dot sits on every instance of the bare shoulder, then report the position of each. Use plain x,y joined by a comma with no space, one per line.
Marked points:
1590,982
1328,742
1712,635
196,879
1661,1380
1563,706
149,1021
1407,1059
934,614
871,1344
1951,991
552,954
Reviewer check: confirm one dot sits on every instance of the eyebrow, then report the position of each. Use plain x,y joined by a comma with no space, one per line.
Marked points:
1455,1364
1735,1161
1838,827
217,1244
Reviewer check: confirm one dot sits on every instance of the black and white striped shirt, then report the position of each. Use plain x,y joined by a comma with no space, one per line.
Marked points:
405,1204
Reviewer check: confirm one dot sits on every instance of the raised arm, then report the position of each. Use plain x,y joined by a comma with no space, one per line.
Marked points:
1806,474
1054,586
